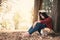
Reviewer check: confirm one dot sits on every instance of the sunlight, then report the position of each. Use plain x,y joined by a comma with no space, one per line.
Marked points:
17,14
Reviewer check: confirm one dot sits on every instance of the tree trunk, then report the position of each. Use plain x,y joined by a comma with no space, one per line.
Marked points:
56,15
37,6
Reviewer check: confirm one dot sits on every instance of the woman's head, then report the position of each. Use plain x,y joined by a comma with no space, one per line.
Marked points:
43,15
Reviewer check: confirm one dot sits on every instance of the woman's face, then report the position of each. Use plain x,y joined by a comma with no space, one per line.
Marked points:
42,16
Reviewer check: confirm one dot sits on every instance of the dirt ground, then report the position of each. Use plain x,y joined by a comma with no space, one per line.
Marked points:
18,36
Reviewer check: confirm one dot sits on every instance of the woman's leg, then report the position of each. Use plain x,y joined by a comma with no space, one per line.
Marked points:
37,27
43,26
30,28
39,30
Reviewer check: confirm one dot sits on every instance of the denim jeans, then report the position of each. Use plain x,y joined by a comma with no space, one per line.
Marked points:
37,27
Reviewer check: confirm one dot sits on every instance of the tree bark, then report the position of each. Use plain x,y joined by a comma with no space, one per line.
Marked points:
37,6
56,15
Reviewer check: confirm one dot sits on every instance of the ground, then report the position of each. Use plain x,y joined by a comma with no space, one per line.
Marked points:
18,36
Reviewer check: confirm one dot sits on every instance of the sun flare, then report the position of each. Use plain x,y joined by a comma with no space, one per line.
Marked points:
17,14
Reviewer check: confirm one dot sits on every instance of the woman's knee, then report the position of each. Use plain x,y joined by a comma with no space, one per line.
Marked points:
38,24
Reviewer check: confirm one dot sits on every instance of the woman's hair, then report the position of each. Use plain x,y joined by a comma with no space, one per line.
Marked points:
43,14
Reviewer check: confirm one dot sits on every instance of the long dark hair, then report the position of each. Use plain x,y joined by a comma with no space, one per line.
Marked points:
44,14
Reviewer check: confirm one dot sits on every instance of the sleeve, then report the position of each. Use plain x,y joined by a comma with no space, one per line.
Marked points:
47,20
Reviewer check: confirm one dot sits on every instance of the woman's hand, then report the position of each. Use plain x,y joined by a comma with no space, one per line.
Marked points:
35,23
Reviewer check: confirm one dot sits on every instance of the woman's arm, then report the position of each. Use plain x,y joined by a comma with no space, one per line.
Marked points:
47,20
36,23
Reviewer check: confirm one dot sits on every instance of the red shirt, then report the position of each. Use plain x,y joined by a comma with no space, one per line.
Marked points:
48,22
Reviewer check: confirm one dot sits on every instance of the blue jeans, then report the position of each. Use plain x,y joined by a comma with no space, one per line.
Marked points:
37,27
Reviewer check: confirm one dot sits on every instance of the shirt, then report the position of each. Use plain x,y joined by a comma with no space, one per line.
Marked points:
48,22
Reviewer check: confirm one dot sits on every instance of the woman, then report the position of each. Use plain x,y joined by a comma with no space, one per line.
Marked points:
45,21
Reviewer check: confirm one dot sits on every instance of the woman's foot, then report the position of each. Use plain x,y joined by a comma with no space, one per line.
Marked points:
26,34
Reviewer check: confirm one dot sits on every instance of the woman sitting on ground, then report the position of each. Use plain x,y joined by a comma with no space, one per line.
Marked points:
45,21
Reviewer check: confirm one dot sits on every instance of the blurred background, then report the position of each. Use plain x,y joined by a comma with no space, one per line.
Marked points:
21,14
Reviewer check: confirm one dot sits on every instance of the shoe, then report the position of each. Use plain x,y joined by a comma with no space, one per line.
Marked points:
26,34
